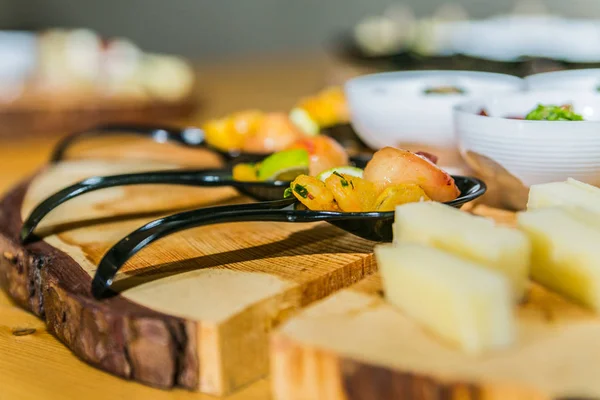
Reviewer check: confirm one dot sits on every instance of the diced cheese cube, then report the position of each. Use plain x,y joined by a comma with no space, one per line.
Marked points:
477,239
458,300
569,193
565,256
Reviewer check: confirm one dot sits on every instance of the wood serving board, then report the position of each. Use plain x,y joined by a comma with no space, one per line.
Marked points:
354,345
176,322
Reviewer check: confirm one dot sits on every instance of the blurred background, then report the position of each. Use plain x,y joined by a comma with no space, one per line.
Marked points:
68,65
204,29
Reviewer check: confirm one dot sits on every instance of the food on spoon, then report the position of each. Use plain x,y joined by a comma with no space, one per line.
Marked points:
352,171
553,113
471,237
395,177
390,166
565,252
568,193
403,193
230,133
326,108
324,152
302,119
273,133
313,193
245,172
311,156
458,300
283,165
444,90
252,131
352,194
431,157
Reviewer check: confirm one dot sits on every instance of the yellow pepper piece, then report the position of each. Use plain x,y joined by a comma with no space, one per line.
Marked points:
327,108
400,194
245,172
231,132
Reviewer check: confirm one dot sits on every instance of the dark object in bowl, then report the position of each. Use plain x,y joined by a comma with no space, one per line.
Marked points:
376,226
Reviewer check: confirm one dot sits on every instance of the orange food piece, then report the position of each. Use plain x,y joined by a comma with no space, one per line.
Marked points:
324,153
231,132
396,195
274,132
351,194
328,107
244,172
313,193
390,166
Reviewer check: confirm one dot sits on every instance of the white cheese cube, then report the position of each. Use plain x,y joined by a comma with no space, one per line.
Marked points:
460,301
475,238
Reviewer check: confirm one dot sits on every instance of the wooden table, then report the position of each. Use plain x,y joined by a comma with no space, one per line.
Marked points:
34,364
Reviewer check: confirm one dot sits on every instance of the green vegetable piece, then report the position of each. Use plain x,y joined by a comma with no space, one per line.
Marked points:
553,113
288,193
301,190
284,165
343,180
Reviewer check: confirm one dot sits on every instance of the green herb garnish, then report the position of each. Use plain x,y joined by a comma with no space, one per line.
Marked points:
343,180
287,193
301,190
553,113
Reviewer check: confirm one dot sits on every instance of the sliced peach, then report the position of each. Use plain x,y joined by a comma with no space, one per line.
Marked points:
275,132
324,152
390,166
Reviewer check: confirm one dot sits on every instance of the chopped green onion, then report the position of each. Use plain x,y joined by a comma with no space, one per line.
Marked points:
301,190
342,179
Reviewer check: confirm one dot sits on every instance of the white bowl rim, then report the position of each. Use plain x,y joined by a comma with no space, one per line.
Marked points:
462,108
592,72
412,74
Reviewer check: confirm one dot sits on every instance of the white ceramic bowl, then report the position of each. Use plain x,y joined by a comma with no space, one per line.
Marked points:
515,154
587,80
391,109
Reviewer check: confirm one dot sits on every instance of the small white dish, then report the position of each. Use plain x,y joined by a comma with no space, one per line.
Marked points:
513,154
587,80
392,108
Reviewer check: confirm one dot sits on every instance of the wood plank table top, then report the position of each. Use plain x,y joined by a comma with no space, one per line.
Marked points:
33,363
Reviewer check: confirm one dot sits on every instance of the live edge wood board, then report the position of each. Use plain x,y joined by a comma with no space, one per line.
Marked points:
355,346
195,309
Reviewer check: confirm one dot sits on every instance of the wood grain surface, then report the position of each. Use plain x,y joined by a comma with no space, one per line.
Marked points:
354,345
177,321
274,83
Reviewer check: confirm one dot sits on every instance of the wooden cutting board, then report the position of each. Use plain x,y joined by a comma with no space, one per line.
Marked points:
354,345
196,308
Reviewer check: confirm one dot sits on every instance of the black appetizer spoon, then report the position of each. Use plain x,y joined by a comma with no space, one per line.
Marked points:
187,136
267,190
262,191
376,226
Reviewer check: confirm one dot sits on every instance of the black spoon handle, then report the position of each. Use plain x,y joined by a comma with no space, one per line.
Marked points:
189,136
274,211
176,177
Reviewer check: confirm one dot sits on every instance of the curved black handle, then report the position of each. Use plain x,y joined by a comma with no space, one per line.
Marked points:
189,136
205,177
274,211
